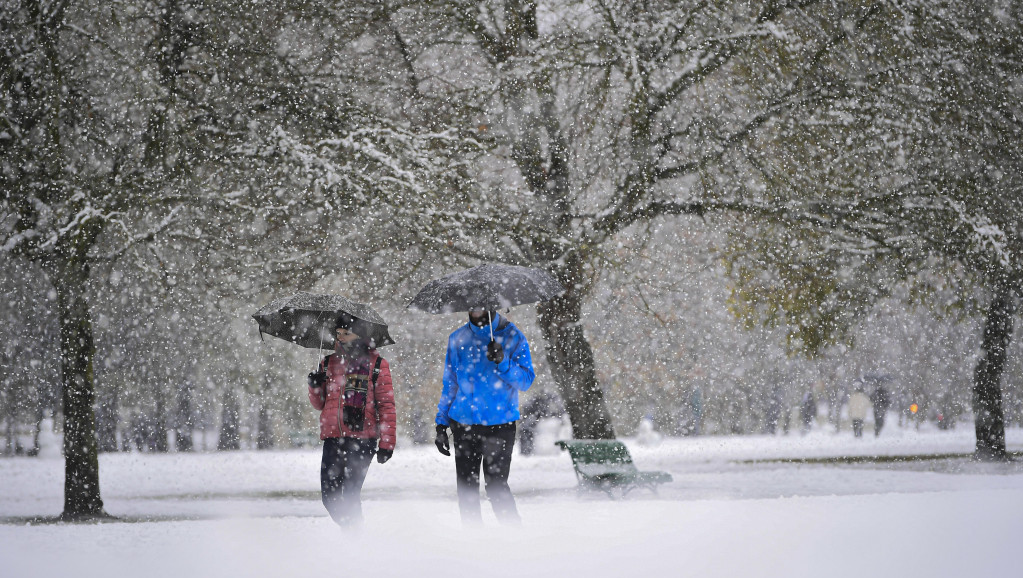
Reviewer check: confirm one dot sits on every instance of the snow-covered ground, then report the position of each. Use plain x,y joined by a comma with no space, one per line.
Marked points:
735,508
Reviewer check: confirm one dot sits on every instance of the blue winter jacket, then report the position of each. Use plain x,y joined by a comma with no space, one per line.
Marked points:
476,390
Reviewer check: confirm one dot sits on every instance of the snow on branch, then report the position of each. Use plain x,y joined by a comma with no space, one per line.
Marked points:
133,240
79,221
986,235
368,162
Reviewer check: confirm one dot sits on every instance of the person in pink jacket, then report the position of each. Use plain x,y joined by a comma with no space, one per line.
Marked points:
352,389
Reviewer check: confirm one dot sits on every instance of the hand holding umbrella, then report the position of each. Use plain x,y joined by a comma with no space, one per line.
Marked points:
495,352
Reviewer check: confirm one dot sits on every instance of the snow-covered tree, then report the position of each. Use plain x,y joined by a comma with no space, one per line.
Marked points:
911,172
71,152
598,116
169,137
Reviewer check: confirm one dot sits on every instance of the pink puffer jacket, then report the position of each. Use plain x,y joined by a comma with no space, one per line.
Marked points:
380,416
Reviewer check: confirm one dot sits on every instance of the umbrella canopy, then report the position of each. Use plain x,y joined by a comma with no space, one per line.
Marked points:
488,286
308,320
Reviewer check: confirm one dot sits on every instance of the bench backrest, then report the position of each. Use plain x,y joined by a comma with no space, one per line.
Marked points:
611,452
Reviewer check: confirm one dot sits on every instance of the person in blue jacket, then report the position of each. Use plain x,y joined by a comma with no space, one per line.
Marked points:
487,365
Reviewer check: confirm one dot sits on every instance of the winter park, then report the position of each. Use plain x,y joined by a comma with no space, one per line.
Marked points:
511,287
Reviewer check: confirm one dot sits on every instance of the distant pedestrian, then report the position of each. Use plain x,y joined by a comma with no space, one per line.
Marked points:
486,366
881,400
859,405
352,389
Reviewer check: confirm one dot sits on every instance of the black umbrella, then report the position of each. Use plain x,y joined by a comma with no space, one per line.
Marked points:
488,286
308,320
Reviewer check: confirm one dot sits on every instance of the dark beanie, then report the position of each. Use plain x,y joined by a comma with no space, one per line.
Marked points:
344,321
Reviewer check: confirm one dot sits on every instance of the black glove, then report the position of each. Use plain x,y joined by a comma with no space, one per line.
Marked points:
384,455
495,352
442,440
317,379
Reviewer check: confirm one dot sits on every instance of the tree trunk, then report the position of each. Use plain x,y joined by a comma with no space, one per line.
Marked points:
8,432
229,438
568,352
8,411
264,427
987,392
81,463
37,414
106,420
159,423
571,358
183,420
264,435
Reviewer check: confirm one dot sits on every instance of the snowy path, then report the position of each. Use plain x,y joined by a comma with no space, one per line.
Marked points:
258,514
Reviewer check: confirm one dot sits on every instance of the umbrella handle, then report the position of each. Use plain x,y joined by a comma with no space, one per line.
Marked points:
491,324
316,357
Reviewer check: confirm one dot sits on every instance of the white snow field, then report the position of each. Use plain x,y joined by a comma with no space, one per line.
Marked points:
733,509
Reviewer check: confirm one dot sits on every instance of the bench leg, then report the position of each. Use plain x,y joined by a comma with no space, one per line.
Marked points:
587,485
615,491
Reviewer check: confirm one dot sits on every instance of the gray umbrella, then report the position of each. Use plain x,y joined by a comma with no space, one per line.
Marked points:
308,320
488,286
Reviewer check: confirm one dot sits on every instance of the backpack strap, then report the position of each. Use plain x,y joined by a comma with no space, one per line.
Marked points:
504,322
376,371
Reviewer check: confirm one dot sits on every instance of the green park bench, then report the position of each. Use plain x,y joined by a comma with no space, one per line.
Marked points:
607,466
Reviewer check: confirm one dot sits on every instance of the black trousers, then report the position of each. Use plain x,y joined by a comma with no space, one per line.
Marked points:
489,446
342,473
878,422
